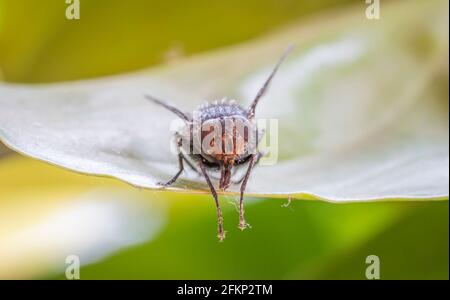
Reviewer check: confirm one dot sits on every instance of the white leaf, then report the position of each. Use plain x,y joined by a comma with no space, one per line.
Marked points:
360,104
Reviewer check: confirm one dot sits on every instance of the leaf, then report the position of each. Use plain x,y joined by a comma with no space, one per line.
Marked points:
308,240
362,108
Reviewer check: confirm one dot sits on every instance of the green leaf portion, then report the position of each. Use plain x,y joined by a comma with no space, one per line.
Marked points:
314,240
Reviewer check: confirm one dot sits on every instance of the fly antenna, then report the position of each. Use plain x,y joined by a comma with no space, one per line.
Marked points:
263,89
173,109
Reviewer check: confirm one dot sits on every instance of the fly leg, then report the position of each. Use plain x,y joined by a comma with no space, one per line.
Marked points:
220,232
259,155
180,164
242,223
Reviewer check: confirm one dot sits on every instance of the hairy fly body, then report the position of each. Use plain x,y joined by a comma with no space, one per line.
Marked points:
217,139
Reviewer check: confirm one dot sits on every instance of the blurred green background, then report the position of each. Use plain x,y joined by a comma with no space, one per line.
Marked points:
305,240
